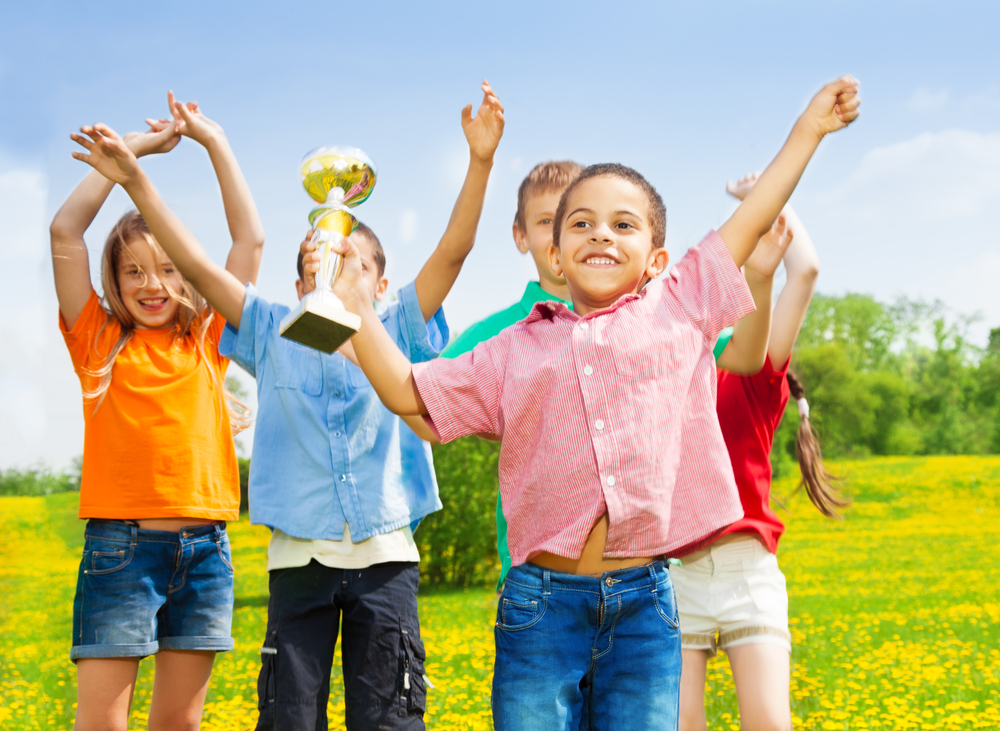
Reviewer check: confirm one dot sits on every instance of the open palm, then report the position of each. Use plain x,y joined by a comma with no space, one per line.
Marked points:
484,132
109,155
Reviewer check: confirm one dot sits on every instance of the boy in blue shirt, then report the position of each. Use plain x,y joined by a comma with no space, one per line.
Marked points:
339,479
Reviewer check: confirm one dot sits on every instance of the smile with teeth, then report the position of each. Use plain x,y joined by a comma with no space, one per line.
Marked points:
153,303
597,260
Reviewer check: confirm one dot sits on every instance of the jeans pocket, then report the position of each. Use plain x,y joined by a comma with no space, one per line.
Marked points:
519,609
225,552
114,557
666,603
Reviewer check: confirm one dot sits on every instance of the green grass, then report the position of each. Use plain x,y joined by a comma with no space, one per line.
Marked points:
895,613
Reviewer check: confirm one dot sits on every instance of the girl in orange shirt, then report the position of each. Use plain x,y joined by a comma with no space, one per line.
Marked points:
159,465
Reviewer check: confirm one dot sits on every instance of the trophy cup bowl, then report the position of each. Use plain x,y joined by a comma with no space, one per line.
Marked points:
338,179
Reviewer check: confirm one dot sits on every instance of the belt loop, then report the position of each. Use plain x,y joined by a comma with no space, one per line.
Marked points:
546,586
652,576
218,532
134,529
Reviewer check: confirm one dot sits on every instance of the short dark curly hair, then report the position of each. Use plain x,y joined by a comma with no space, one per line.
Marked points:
657,211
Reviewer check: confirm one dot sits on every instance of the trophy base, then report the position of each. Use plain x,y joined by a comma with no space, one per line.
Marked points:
319,324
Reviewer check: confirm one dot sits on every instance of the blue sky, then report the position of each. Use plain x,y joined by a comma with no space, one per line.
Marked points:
689,94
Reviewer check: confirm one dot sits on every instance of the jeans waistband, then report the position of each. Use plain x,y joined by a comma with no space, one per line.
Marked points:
647,576
129,530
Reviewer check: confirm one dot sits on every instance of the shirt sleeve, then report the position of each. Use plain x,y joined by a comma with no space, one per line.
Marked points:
709,286
720,345
247,344
80,339
404,321
770,384
462,394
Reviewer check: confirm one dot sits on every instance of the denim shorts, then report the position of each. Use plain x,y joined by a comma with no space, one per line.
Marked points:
140,591
581,652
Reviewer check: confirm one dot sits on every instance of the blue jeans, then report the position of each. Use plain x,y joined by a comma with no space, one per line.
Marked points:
581,652
141,591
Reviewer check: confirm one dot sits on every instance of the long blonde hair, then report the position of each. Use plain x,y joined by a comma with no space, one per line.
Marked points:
194,317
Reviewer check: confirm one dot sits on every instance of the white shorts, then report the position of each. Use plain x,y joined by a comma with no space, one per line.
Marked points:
734,590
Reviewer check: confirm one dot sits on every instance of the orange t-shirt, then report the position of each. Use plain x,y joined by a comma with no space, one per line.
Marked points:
160,445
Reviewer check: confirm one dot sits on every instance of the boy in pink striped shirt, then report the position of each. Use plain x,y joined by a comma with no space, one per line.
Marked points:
590,406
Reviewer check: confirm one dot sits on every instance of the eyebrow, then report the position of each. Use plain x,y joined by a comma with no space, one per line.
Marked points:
578,210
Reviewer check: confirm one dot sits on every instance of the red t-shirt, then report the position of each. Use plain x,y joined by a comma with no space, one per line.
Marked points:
750,409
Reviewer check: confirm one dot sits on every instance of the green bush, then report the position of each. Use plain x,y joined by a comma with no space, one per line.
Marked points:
458,545
35,482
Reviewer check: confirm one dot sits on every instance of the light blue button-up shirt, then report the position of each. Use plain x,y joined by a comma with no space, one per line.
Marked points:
326,451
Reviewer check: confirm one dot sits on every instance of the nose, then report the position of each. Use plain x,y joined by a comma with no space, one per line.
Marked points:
152,281
601,233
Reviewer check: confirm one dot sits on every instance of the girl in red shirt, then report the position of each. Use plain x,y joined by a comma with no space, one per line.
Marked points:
731,593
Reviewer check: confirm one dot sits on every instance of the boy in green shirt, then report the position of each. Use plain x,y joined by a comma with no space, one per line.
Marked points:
537,200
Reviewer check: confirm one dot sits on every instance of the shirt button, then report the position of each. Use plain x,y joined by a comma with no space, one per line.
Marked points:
599,425
336,434
588,370
343,478
584,325
336,394
611,480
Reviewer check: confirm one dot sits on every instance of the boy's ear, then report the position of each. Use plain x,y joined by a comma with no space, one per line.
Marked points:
520,239
555,262
381,286
658,261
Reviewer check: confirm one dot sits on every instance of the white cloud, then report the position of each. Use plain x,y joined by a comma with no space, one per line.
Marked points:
939,176
409,225
916,217
925,100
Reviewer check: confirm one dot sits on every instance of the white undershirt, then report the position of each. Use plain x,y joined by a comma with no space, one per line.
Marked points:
285,551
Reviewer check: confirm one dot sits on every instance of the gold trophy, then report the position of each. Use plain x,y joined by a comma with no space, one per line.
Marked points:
338,179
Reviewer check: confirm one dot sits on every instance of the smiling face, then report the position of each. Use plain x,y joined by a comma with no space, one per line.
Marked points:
146,277
606,243
536,238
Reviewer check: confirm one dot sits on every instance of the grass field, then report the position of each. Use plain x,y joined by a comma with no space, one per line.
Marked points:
895,612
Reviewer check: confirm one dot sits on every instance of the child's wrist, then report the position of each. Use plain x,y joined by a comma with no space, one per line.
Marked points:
807,127
485,163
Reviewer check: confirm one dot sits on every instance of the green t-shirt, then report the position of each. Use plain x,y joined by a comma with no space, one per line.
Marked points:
491,326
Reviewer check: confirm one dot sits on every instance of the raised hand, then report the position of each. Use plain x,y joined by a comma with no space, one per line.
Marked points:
741,187
771,249
189,120
484,132
834,107
157,139
109,155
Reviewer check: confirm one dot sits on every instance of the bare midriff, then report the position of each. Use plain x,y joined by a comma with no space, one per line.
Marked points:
171,525
591,561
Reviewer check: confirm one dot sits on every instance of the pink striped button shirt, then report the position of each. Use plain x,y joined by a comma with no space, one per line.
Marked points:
595,414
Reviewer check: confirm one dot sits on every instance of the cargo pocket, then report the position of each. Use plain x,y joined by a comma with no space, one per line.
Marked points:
413,688
267,680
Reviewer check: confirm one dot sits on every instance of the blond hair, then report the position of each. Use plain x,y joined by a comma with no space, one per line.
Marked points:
546,177
193,318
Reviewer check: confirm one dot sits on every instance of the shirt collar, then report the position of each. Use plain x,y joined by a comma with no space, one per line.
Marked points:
554,307
534,293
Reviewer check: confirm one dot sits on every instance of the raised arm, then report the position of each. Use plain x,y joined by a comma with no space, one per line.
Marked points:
835,107
383,363
70,262
748,346
245,227
114,160
441,270
802,270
